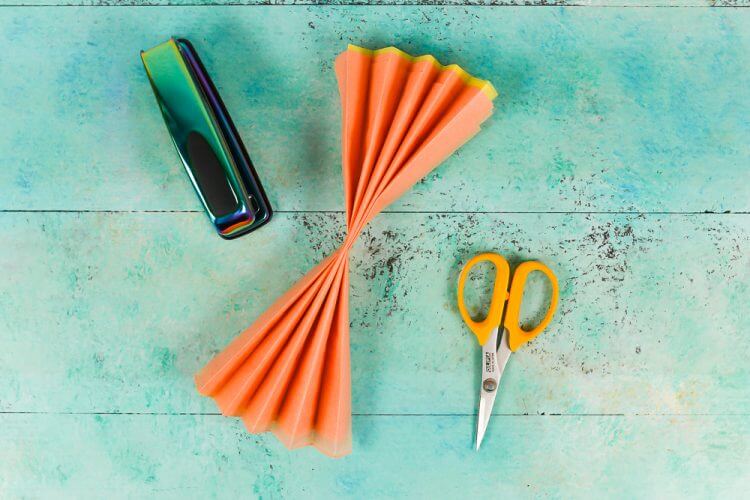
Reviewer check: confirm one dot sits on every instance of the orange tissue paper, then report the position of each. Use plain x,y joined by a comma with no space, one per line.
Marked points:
288,373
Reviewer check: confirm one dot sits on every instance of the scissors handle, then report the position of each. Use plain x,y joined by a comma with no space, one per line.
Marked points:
517,336
482,329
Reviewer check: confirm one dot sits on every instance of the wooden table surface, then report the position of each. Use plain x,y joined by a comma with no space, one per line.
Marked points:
618,154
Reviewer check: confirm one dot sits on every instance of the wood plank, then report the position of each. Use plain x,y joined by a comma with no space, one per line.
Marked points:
142,456
484,3
115,312
615,109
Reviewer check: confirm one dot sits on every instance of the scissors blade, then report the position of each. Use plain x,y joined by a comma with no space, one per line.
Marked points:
494,359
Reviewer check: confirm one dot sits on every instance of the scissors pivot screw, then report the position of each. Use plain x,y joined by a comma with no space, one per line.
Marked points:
489,385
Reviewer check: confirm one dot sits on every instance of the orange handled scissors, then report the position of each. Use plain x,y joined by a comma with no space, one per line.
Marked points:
494,356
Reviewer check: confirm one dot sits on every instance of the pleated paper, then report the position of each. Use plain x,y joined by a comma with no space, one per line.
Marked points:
288,373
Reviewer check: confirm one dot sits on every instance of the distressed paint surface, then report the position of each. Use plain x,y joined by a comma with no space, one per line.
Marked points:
600,109
146,305
639,388
195,456
323,3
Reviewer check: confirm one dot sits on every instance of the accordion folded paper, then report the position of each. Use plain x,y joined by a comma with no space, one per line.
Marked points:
288,373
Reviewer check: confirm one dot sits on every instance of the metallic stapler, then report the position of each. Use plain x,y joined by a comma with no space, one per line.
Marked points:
208,143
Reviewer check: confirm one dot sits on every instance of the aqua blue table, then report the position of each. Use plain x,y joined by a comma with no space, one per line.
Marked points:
618,154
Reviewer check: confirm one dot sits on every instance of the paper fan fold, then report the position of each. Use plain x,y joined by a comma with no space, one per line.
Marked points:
288,373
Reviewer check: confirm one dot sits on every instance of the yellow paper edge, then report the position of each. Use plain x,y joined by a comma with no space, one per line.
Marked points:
483,85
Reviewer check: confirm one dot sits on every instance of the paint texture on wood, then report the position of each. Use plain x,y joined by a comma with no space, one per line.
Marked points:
198,456
456,3
599,109
115,312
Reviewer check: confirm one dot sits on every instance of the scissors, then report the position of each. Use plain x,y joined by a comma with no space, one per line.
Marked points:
494,356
